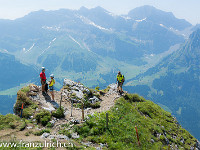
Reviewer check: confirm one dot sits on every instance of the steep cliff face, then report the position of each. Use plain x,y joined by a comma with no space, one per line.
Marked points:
44,120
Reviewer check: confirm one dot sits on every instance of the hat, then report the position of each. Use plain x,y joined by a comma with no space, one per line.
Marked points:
43,68
52,75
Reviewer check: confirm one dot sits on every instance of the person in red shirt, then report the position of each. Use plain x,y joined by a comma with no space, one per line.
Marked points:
43,80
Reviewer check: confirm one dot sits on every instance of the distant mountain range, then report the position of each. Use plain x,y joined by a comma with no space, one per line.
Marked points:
90,42
91,45
175,83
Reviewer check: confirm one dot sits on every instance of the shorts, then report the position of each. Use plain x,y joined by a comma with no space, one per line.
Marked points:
119,84
51,88
43,82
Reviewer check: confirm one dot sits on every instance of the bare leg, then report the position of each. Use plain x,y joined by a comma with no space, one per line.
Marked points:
52,94
43,87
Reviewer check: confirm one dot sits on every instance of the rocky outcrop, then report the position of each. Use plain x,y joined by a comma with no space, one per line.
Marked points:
79,93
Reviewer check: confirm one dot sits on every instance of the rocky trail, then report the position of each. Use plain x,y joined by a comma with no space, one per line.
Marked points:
63,97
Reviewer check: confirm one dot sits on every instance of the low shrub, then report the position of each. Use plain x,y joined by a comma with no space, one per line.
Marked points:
134,98
59,113
25,89
43,117
39,133
45,120
27,112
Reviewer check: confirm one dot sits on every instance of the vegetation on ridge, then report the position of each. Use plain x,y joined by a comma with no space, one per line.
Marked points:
157,128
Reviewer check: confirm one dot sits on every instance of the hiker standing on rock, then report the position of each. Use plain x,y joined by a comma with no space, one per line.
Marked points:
43,80
51,86
120,81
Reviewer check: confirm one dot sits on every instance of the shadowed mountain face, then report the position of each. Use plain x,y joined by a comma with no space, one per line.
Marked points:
13,73
176,81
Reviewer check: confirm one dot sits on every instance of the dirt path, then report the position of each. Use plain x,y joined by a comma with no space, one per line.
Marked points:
108,101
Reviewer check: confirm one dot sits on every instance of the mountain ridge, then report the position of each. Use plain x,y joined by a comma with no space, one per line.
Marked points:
46,120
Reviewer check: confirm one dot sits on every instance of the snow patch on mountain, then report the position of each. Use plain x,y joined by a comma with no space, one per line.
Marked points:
141,20
126,17
52,41
86,46
87,21
55,28
25,51
75,41
3,51
111,14
48,46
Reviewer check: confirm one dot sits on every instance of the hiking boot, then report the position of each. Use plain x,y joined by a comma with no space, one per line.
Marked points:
43,93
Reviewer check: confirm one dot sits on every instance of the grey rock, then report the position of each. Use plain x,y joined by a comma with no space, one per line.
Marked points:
62,137
113,88
182,141
31,93
50,109
152,141
93,100
87,144
88,110
52,137
66,113
68,82
198,145
79,93
29,128
74,121
103,145
75,136
45,135
52,122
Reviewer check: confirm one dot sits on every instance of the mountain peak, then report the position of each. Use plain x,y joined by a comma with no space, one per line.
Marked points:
99,8
83,8
195,34
144,11
159,17
195,39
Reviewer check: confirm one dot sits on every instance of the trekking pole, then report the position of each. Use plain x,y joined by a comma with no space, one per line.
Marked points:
71,106
22,110
107,120
61,100
137,135
82,111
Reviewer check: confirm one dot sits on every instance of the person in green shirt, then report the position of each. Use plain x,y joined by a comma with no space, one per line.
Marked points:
51,86
120,81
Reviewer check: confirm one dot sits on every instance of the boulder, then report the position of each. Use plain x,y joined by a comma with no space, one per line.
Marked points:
75,136
94,99
68,82
45,135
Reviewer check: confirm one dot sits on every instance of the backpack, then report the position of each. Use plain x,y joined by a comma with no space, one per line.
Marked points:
123,78
46,87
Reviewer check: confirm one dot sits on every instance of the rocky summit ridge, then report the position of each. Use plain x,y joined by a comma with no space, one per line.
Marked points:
78,116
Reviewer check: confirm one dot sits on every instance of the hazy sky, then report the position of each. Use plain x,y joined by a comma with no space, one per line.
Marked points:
184,9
